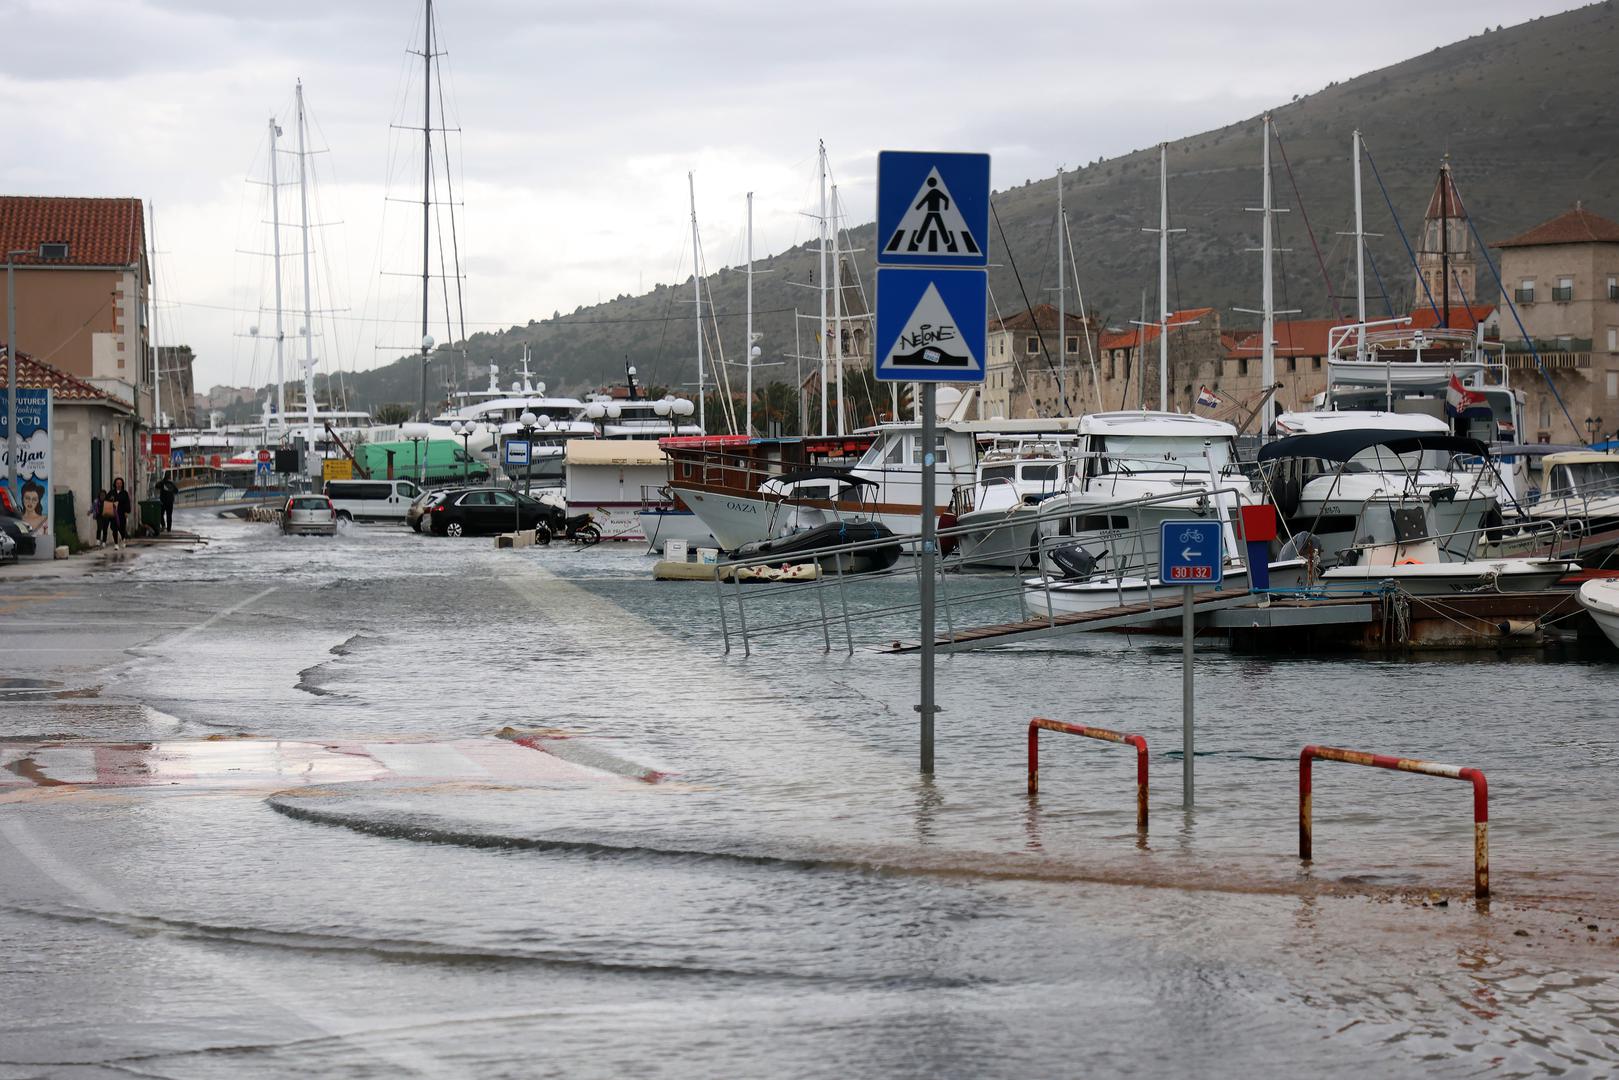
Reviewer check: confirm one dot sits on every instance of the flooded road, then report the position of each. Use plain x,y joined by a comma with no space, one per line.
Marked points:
387,805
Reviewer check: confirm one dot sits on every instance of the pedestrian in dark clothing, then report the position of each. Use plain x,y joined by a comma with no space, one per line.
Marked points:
103,521
118,497
167,489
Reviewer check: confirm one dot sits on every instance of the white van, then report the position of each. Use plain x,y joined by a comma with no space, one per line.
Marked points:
371,500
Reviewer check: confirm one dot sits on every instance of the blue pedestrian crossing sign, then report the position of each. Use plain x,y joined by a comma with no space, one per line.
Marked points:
931,325
932,208
1189,552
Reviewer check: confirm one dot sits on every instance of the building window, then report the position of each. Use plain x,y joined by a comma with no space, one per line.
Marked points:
53,249
1545,414
1525,292
1031,345
1315,363
1292,364
1613,339
1565,342
1564,291
1613,384
1613,287
1072,344
1242,365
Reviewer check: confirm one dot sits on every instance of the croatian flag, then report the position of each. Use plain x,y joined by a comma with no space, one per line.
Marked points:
1460,401
1207,398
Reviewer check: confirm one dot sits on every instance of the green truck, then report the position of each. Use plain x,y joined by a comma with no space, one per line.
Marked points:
445,462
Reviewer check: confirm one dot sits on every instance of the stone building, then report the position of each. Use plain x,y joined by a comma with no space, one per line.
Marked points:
177,391
1447,241
1562,277
1128,362
1028,372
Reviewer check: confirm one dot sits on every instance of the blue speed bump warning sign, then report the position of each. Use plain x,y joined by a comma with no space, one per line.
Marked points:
932,209
931,325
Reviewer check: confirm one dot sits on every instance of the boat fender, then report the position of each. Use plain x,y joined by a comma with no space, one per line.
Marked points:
1409,562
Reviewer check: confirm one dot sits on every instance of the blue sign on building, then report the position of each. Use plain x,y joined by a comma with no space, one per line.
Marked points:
516,452
1189,552
931,325
932,209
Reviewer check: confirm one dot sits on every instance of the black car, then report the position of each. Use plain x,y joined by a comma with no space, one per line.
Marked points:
13,526
484,511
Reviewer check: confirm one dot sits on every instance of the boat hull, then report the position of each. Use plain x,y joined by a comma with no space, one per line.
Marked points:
1443,579
660,526
1000,540
1601,599
1076,597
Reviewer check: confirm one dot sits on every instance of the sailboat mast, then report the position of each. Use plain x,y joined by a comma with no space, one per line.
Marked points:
309,325
820,330
1062,302
427,182
157,355
697,303
1360,259
1163,277
1444,238
837,309
1267,354
749,428
275,264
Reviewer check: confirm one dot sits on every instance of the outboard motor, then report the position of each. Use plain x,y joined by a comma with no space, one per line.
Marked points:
1074,561
1302,545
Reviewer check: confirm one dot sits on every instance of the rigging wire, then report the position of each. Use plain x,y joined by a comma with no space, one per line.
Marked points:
1298,200
1011,261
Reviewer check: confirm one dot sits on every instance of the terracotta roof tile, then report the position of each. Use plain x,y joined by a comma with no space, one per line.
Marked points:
1461,316
1127,339
37,375
1577,226
98,232
1443,203
1047,316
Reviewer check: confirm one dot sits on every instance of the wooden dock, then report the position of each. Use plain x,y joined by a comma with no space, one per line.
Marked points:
1357,622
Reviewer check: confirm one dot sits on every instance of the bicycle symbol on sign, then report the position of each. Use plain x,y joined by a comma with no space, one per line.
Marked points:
1192,536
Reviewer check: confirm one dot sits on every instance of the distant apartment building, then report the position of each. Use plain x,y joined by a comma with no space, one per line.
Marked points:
1128,362
82,279
1562,276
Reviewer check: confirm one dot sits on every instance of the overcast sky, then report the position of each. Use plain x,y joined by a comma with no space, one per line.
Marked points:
579,122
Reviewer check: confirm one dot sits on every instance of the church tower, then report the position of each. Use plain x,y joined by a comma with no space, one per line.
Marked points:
1447,263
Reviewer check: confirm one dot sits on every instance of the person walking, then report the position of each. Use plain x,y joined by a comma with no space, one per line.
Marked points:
103,521
118,498
167,490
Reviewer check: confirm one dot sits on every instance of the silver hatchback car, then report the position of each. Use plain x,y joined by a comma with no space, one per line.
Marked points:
309,515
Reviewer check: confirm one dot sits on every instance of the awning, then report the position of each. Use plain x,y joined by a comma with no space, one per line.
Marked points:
615,452
1343,445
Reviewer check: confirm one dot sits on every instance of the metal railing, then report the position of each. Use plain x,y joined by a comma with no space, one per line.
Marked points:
1481,799
1139,742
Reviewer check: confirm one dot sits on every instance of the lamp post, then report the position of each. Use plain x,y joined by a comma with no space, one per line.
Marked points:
466,431
1592,423
527,422
11,370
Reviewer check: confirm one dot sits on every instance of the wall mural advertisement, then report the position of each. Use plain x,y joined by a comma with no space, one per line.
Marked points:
32,495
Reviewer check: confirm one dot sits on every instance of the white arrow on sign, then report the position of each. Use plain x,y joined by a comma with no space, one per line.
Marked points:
1188,554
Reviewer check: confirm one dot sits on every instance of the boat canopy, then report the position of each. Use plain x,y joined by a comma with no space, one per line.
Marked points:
824,474
1343,445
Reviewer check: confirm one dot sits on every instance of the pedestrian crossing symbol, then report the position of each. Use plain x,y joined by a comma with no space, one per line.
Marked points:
932,208
931,325
933,224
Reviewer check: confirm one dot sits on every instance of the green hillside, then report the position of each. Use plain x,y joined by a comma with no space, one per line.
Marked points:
1525,113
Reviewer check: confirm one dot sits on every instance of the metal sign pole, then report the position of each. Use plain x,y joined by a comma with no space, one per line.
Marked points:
1188,628
930,525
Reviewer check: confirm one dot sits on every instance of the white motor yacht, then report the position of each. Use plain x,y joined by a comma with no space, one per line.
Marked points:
1601,598
999,514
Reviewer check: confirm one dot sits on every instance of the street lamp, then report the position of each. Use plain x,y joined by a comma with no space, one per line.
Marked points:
1592,423
466,431
527,422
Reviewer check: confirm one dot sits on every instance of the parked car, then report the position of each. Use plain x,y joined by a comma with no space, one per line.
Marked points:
309,515
12,525
423,505
371,500
8,548
475,511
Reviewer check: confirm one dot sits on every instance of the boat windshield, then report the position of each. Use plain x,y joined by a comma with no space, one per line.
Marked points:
1591,477
1384,459
1162,453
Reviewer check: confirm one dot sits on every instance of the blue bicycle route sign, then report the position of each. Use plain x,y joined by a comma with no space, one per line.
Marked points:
1189,552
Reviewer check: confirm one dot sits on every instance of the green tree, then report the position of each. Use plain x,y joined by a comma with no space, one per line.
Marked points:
392,413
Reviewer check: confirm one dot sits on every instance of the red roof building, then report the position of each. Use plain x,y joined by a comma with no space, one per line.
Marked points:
1577,226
